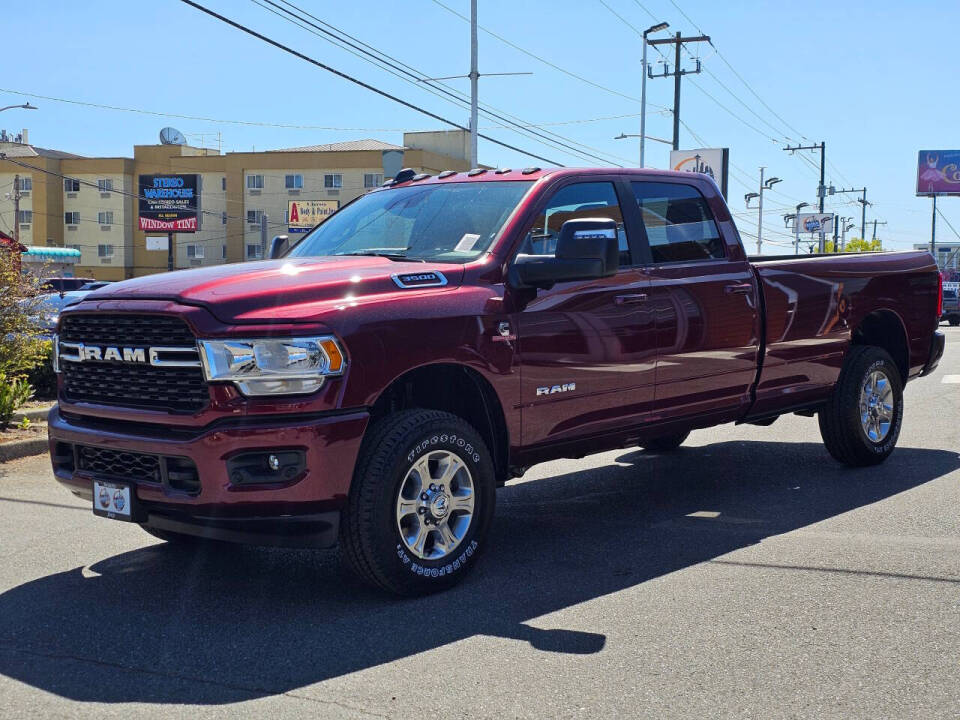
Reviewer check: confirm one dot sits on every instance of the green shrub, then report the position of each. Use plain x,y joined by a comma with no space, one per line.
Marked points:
42,377
13,393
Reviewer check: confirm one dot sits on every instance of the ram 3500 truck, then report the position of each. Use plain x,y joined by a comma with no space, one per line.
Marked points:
378,380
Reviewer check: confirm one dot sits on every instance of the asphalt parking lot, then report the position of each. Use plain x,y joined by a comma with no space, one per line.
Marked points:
747,575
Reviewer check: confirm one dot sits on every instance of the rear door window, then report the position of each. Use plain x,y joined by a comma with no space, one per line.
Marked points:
678,222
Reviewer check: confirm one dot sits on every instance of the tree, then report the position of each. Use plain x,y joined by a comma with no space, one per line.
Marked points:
856,245
21,318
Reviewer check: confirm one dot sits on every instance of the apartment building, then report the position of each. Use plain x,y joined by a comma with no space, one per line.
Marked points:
91,204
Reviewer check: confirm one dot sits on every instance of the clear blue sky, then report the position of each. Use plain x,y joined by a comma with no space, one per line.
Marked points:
872,79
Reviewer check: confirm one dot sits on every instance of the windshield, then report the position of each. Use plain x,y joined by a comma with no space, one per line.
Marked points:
453,222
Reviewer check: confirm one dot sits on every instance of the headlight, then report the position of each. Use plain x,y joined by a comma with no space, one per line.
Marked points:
273,366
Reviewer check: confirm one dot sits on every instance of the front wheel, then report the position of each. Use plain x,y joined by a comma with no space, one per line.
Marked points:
954,321
420,504
861,422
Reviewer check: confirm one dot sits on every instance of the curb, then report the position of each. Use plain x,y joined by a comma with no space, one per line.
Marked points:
33,415
22,448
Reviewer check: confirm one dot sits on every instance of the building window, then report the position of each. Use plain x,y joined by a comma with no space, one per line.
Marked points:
372,180
104,251
71,218
194,251
223,252
293,182
105,185
334,180
105,217
25,217
223,183
26,184
253,216
254,182
71,185
223,218
254,252
74,247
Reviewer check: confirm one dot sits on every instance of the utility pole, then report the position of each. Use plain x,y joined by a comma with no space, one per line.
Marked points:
677,41
643,85
764,185
862,201
875,223
169,252
263,235
16,208
822,147
933,230
474,76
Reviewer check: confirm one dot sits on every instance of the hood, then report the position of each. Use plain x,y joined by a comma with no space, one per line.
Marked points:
270,289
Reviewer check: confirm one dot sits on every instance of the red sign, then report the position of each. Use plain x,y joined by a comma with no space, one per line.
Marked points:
184,225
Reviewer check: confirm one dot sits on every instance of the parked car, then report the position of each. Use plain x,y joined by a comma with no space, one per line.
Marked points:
951,304
435,338
50,305
95,285
65,284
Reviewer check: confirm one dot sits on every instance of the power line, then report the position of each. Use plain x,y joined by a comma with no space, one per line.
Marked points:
357,81
419,79
546,62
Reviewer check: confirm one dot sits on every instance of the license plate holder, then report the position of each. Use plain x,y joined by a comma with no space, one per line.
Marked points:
114,500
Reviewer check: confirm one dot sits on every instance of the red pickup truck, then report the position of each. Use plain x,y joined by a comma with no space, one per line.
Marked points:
436,337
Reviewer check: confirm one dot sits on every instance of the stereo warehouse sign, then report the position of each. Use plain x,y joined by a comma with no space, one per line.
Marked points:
168,203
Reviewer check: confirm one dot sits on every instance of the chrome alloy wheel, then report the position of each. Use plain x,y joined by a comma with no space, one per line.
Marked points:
876,406
435,505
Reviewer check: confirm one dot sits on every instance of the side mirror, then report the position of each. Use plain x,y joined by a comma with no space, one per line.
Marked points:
278,246
587,249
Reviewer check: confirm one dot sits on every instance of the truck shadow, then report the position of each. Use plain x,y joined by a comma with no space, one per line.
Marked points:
158,625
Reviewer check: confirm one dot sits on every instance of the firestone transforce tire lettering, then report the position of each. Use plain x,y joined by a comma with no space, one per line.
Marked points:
665,443
420,504
861,421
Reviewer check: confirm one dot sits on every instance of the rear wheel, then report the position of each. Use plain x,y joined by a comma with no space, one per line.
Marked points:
420,504
665,443
861,422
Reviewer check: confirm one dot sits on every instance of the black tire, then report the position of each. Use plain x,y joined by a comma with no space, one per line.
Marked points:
665,443
840,421
954,321
370,540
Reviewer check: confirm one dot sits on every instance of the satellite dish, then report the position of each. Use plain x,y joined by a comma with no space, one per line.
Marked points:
172,136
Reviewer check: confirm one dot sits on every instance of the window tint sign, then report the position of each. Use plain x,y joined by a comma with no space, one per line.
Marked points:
938,172
304,215
168,203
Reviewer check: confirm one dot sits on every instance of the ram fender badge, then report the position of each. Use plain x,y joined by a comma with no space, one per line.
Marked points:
554,389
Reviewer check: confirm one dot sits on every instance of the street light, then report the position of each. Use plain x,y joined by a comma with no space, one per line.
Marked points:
771,182
750,196
25,106
643,84
796,227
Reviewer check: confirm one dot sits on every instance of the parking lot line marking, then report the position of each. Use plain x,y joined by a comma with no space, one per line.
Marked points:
951,379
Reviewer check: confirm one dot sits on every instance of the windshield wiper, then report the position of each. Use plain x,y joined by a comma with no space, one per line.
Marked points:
389,254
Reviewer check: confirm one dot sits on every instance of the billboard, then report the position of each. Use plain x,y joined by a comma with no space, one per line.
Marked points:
813,223
168,203
938,172
303,215
714,162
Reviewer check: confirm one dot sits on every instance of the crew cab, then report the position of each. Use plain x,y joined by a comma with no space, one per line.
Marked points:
377,381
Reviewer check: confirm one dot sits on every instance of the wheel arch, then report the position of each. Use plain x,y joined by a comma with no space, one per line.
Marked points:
459,390
884,328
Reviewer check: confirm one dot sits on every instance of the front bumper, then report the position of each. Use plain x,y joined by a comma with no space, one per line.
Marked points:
937,344
300,511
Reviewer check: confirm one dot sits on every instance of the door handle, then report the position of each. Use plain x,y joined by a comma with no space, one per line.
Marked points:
630,299
738,288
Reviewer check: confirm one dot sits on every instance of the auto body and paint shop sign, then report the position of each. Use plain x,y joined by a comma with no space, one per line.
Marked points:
168,203
304,215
